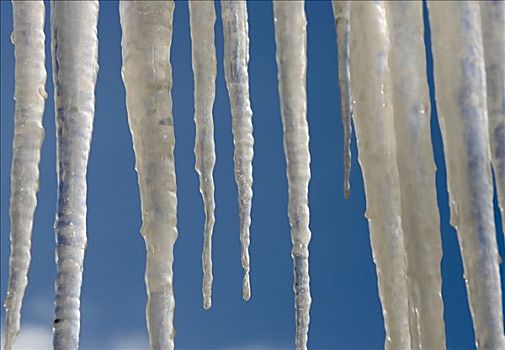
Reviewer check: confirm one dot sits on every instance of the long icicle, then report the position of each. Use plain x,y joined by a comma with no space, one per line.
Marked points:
75,68
374,126
236,58
493,34
416,169
202,20
460,84
147,75
342,14
28,38
291,54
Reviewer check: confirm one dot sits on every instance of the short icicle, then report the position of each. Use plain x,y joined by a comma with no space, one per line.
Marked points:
375,132
342,13
75,68
460,86
28,38
493,34
291,54
416,169
147,75
202,20
236,59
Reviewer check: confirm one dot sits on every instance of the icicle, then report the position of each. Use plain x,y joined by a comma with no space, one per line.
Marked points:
203,18
416,169
374,126
28,37
493,28
291,54
461,101
342,13
147,75
75,68
236,58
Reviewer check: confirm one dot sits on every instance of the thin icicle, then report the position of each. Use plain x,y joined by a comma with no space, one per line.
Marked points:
147,75
202,19
493,33
416,169
461,101
291,54
236,58
374,126
28,38
342,13
75,68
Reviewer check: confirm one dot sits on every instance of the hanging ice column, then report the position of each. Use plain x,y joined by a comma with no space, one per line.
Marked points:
461,101
202,19
291,54
75,68
147,75
493,34
28,38
236,59
375,132
342,13
416,169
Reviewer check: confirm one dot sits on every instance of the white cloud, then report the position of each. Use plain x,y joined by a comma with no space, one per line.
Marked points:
129,342
35,337
32,337
252,347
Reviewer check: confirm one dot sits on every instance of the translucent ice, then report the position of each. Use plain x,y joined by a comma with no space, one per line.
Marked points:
147,75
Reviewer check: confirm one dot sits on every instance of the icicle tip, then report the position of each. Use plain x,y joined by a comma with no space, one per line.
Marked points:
246,287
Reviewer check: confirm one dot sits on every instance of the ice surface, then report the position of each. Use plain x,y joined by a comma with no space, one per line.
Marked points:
291,54
373,116
342,13
202,20
493,34
75,68
236,59
147,75
460,86
28,38
416,169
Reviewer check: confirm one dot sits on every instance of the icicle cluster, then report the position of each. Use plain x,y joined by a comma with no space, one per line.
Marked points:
416,170
460,79
383,89
28,38
147,75
236,59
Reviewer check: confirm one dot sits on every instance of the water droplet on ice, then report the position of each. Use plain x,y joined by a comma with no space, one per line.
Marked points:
42,92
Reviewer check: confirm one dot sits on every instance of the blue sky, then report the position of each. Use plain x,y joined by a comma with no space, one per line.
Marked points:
345,311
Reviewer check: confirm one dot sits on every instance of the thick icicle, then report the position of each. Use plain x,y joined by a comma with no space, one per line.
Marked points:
147,75
75,68
28,37
493,33
342,13
202,20
462,109
374,126
236,58
416,169
291,54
